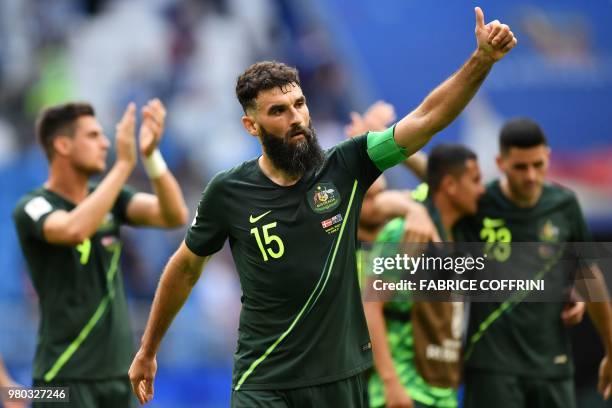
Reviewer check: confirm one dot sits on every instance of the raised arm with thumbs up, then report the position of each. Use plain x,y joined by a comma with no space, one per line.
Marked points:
494,40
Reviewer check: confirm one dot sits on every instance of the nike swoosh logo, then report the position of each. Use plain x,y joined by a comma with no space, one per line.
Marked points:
255,219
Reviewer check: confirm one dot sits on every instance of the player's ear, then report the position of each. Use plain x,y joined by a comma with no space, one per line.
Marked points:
250,125
499,160
62,145
449,184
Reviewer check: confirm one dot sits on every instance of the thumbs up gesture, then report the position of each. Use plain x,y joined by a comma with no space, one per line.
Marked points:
495,39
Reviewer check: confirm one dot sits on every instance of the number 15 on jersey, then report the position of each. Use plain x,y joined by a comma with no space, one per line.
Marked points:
270,241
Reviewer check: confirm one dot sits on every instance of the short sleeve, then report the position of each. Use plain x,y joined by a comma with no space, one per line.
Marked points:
354,156
420,193
121,205
30,215
209,229
580,230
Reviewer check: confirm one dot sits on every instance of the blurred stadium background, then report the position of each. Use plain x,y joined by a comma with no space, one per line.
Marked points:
349,54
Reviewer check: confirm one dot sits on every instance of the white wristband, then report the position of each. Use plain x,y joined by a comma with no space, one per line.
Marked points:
154,165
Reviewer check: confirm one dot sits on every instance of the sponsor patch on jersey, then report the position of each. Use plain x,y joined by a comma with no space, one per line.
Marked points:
560,359
37,207
332,224
324,197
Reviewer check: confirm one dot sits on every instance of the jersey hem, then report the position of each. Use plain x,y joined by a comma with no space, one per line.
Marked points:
307,383
120,375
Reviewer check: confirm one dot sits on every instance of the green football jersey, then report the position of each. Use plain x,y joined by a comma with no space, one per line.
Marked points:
84,332
302,321
527,339
400,331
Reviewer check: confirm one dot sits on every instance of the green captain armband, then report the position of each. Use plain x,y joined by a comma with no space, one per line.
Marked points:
383,150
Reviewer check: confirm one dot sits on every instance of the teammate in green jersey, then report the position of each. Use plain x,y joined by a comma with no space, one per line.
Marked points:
291,219
520,353
406,376
69,233
519,356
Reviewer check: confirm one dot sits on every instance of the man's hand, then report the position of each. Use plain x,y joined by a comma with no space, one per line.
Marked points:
16,404
572,313
396,396
125,139
152,127
419,227
7,381
142,374
605,378
13,404
378,117
494,39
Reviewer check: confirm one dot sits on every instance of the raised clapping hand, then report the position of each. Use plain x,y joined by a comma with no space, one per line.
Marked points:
378,117
125,139
495,39
152,127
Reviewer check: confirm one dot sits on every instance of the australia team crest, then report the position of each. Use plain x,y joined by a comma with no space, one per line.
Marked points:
549,232
323,197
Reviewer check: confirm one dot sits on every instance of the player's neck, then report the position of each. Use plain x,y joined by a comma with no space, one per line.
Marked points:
275,174
449,215
67,182
515,199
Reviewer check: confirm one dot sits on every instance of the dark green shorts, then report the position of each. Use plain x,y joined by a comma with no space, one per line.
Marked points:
486,390
350,392
113,393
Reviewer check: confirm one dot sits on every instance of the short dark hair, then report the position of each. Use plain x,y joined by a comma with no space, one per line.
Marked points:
262,76
446,159
59,119
522,133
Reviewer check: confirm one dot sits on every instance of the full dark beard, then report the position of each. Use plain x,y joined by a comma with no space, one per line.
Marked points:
293,158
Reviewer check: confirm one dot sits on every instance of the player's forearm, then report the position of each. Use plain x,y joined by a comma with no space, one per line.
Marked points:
173,289
443,105
383,361
400,204
83,221
417,163
598,308
171,201
393,203
601,316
